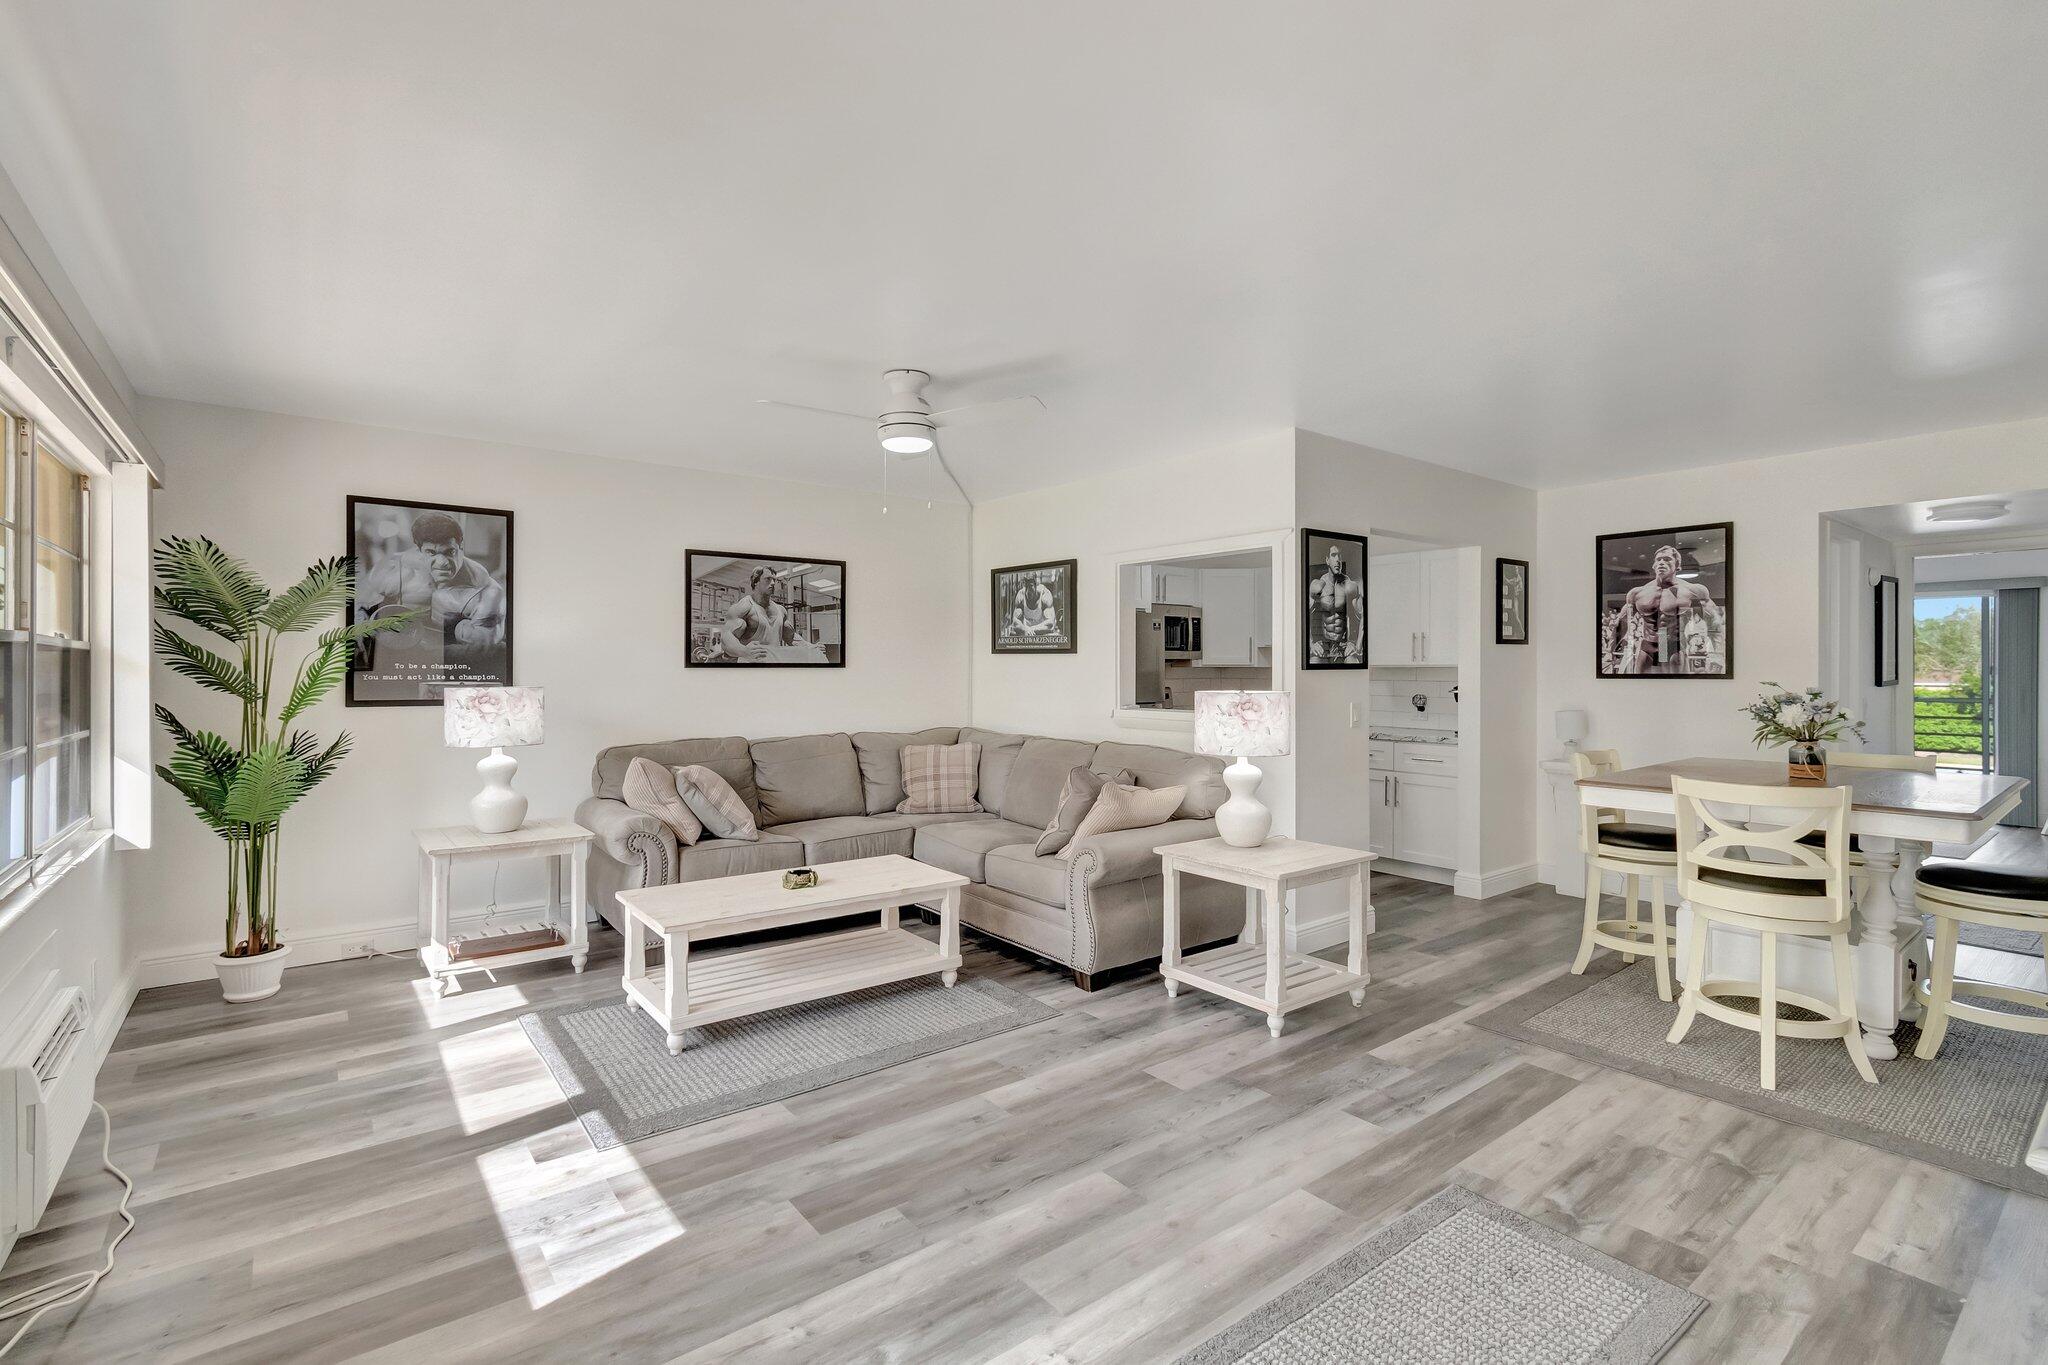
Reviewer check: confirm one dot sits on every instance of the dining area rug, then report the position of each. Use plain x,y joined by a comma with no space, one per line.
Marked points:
613,1065
1973,1109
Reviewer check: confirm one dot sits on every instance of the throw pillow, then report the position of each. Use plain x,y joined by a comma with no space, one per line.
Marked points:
1122,807
940,779
651,789
715,804
1077,798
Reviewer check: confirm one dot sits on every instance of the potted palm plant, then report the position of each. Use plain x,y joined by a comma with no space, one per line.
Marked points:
241,789
1804,721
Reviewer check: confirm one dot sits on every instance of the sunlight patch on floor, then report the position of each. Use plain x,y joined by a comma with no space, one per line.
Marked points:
570,1221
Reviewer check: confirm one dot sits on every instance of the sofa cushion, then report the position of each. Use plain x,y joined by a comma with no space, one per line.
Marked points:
715,804
651,789
962,845
1157,767
1077,798
807,777
837,838
730,758
881,761
709,858
1016,869
1120,807
998,756
939,779
1032,793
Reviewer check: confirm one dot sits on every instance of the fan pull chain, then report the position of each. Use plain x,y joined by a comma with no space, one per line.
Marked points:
885,483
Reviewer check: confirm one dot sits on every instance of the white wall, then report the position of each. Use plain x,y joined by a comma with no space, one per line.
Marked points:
1776,505
1848,641
1243,488
1343,486
598,602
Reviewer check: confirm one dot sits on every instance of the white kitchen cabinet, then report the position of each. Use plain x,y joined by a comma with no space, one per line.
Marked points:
1174,585
1412,610
1262,609
1381,826
1227,616
1415,805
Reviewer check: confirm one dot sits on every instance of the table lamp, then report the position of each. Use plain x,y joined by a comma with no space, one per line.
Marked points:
1243,725
1571,728
492,718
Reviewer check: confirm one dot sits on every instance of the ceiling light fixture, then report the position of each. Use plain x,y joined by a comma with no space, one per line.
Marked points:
901,437
1987,509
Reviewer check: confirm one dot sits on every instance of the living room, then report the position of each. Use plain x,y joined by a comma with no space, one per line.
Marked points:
994,736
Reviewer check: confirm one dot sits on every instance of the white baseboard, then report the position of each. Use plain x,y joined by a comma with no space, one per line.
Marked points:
1496,883
1414,872
308,950
1327,932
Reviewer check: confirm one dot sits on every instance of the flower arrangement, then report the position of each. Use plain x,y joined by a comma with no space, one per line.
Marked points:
1783,716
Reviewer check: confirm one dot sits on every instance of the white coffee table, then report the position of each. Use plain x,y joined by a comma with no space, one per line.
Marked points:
682,994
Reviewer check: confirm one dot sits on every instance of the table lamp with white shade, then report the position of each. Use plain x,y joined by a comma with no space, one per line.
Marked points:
1571,729
1244,726
493,718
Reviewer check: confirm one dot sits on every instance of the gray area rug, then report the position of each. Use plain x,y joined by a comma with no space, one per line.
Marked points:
613,1064
1460,1279
1972,1110
1991,936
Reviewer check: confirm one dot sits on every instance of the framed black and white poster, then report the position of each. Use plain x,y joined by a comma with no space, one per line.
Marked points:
453,566
1332,600
1031,608
1664,603
1886,596
765,611
1511,601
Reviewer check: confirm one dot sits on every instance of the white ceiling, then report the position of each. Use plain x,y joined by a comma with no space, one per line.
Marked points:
1547,242
2026,514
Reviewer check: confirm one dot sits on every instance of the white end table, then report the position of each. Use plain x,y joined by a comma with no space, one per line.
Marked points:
563,842
1266,976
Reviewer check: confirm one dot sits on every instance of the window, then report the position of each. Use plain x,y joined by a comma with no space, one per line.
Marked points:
46,670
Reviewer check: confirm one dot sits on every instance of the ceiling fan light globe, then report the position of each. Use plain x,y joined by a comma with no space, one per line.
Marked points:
906,438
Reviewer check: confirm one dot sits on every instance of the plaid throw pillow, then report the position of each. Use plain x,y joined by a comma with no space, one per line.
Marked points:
940,779
715,804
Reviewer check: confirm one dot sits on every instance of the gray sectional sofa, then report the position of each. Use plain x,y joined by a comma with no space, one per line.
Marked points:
827,798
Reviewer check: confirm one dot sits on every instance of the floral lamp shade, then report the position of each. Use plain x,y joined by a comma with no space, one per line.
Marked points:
1244,724
490,717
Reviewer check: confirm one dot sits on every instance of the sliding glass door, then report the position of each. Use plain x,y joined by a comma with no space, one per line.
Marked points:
1976,683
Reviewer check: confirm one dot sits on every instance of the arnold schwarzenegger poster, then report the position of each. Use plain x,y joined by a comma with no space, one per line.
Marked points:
453,566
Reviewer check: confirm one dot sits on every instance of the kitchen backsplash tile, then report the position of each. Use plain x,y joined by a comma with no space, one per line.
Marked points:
1393,703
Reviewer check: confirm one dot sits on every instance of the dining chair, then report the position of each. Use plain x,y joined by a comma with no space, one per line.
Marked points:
2005,884
1613,843
1863,758
1779,887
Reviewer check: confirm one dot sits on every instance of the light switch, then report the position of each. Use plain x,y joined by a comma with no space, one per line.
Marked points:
1354,715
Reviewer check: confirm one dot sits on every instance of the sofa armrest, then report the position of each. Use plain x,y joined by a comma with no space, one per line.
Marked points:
1125,855
643,845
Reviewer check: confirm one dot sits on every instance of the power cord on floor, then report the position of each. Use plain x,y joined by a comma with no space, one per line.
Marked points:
66,1288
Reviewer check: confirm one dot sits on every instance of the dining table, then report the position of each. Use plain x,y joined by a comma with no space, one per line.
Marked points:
1896,817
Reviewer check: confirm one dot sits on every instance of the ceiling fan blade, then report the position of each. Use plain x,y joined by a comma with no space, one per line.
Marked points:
866,417
1001,410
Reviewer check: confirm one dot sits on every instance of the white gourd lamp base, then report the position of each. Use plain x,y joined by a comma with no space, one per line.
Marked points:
497,809
1243,821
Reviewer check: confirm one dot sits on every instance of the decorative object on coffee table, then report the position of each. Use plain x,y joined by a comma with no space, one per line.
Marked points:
799,878
1243,725
1804,722
556,930
1264,974
682,994
493,718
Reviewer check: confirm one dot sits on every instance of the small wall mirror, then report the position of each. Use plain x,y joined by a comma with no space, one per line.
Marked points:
1195,619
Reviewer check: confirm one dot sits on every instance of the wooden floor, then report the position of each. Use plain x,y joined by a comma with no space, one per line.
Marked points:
357,1169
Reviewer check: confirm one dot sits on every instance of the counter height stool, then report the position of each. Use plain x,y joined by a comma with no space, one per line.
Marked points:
2003,883
1613,843
1794,888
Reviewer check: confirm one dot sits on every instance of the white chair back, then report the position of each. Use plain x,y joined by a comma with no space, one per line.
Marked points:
1709,841
1905,763
1594,763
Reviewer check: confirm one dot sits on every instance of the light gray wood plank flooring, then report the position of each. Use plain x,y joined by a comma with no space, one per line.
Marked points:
356,1169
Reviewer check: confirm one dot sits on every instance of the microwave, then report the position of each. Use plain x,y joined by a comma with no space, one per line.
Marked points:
1183,631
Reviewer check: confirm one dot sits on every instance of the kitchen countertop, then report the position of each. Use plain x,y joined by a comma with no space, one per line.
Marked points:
1414,736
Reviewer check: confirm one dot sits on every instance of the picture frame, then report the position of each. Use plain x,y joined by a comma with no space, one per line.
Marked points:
1510,601
736,601
1885,598
453,564
1032,608
1664,603
1333,601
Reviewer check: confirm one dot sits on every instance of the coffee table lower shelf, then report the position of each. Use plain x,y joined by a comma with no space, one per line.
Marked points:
753,980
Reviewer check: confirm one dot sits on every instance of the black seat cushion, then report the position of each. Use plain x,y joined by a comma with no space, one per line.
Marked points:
1819,839
2012,862
1780,886
1653,837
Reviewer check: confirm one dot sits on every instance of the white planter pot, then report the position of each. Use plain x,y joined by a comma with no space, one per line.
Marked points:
243,979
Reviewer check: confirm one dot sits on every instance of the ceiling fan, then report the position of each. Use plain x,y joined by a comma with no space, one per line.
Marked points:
907,425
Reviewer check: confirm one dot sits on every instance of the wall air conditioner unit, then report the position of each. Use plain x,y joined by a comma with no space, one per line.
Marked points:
46,1085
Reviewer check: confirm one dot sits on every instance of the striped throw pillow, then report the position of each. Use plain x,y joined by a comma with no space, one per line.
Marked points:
940,779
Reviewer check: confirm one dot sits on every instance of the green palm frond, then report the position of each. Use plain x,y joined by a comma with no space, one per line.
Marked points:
200,664
320,763
319,673
265,786
204,584
219,757
202,800
313,598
